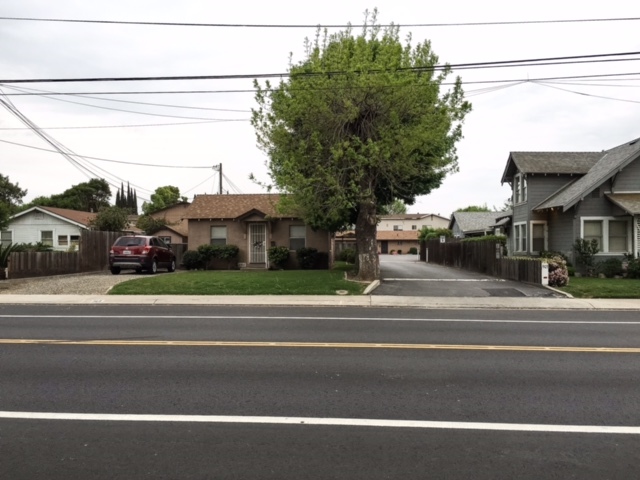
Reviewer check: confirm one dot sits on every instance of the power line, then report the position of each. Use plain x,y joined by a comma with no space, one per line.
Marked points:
613,76
46,93
130,125
567,60
104,159
249,25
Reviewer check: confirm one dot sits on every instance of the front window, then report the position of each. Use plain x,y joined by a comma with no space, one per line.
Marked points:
397,228
6,238
519,189
520,237
218,235
414,227
593,231
611,234
63,240
297,237
538,242
46,237
75,240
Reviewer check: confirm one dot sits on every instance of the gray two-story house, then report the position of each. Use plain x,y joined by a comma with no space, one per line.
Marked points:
561,196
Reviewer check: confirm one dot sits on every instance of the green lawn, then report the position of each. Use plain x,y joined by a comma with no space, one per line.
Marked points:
245,282
586,287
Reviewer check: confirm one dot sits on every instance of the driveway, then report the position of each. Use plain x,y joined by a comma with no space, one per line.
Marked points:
406,275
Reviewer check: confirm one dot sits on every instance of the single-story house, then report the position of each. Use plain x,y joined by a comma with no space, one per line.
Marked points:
253,223
474,224
58,228
559,197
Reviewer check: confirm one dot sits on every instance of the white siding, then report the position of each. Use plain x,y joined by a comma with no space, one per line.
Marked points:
27,228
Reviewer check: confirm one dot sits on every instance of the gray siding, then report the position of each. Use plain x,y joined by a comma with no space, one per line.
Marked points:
561,232
629,179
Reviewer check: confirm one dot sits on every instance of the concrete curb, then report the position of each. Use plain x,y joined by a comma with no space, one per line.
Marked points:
381,301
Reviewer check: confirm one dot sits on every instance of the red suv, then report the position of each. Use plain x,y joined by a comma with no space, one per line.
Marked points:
140,252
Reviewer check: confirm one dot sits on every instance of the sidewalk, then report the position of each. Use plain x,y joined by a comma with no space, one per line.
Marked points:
473,303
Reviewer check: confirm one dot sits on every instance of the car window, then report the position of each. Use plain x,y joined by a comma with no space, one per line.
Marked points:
161,243
129,242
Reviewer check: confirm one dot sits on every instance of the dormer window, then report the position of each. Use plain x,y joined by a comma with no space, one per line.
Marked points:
519,189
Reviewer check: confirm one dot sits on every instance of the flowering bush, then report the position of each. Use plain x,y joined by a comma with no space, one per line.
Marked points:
558,273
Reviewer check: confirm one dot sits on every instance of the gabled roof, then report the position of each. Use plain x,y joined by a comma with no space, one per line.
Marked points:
611,162
77,217
223,207
471,222
571,163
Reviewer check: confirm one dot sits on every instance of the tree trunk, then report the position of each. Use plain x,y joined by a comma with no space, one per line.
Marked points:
367,260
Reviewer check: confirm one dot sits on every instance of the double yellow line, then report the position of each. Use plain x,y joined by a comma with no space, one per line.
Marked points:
392,346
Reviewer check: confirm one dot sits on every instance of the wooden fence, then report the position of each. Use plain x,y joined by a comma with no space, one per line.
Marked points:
92,255
485,257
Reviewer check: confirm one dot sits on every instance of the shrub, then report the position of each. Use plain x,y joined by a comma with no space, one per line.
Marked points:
633,267
610,267
278,256
413,251
558,272
192,260
347,255
207,254
585,251
307,257
226,252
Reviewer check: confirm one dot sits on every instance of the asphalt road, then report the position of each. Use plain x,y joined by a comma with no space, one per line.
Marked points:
246,392
406,275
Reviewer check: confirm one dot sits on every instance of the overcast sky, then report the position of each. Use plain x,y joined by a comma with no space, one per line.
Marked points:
509,114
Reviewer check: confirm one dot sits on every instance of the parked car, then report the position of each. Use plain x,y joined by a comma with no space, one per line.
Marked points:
141,252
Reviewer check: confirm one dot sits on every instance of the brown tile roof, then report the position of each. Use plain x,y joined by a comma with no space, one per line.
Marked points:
74,215
400,235
232,206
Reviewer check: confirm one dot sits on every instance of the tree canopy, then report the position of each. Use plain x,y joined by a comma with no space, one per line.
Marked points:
162,198
111,219
88,196
127,200
475,208
11,196
394,208
359,123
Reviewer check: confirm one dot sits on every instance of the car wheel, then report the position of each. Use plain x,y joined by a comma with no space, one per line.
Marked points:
172,266
115,270
154,267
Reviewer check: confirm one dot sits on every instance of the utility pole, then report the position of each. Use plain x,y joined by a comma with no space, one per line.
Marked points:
218,168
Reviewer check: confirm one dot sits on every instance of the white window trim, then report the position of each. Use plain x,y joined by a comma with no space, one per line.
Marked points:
546,235
11,232
516,240
54,238
604,248
519,189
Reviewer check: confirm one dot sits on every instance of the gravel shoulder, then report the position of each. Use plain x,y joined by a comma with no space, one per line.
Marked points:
95,283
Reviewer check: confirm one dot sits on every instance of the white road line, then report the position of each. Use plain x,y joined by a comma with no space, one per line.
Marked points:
344,319
349,422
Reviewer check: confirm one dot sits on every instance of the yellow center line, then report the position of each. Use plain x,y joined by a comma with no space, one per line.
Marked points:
406,346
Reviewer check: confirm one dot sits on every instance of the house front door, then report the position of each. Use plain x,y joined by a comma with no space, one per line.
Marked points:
384,246
257,243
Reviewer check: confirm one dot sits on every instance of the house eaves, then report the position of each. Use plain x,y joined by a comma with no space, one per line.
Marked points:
73,217
611,163
629,202
549,163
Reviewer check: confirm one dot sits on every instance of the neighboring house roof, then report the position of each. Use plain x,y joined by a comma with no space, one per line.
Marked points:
79,218
181,229
472,222
629,202
397,235
232,206
572,163
611,162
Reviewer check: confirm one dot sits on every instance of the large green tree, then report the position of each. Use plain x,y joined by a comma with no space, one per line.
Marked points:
359,123
10,198
111,219
162,198
88,196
